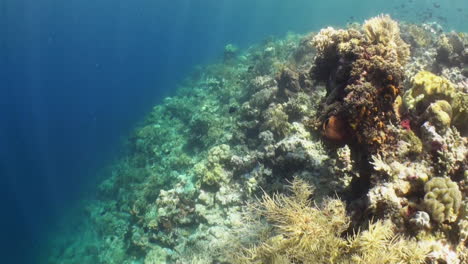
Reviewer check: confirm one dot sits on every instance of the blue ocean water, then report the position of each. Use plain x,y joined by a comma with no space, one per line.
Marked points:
76,76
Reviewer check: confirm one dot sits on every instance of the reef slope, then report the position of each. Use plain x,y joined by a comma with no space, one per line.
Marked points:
339,146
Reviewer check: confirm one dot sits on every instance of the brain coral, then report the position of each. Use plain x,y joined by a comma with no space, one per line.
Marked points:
442,199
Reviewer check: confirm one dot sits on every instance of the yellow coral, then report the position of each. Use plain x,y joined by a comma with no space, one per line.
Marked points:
439,114
325,38
426,88
307,233
439,99
381,29
384,30
211,172
442,199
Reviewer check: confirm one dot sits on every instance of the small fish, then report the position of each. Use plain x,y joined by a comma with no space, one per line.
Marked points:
436,5
459,9
442,18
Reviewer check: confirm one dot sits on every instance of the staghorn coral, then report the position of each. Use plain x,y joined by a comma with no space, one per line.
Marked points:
442,199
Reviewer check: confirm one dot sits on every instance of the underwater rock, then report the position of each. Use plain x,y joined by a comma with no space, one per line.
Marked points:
291,82
363,71
421,220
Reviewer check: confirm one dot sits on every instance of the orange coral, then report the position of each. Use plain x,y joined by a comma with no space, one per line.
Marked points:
335,129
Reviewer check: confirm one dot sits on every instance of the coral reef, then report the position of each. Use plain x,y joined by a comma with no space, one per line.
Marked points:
363,72
307,233
356,139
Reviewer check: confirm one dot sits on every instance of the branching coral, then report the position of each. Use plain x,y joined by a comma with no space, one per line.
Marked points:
384,30
307,233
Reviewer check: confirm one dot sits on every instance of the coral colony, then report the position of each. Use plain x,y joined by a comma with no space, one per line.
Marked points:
342,146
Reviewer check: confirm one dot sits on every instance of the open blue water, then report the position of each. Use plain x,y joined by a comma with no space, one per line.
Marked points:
77,75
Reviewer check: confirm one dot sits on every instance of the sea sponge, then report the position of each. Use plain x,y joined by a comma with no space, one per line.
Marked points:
335,129
442,199
426,88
